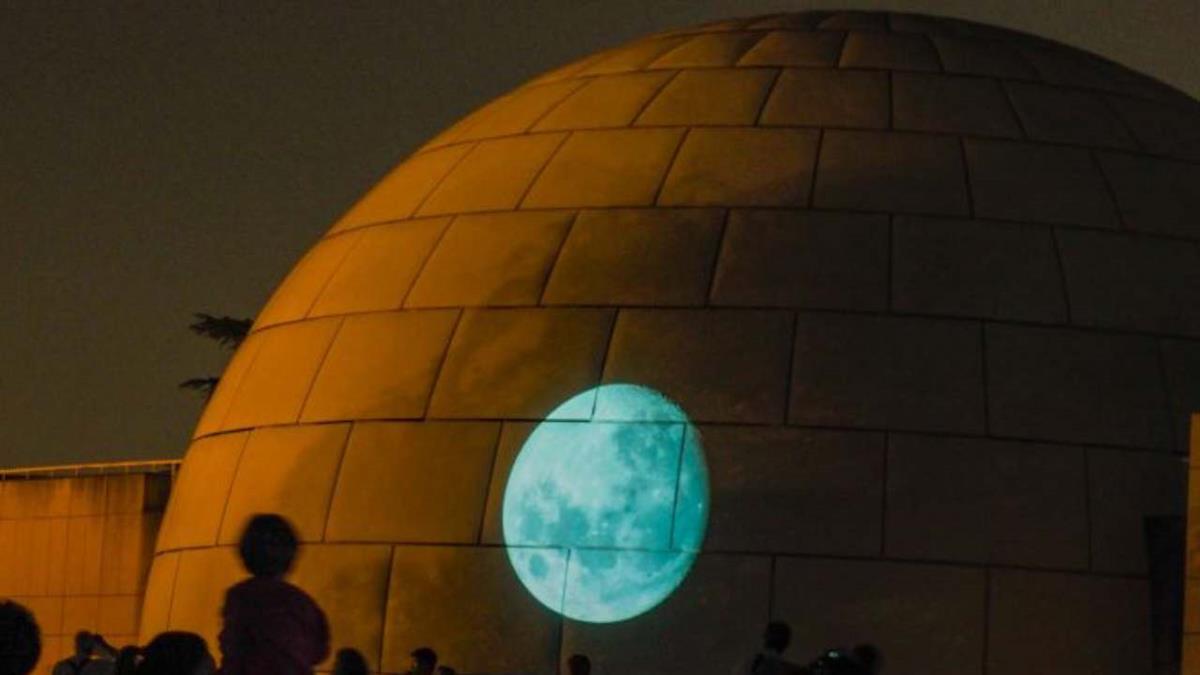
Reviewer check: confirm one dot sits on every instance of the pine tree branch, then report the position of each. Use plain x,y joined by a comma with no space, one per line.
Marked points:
204,385
226,330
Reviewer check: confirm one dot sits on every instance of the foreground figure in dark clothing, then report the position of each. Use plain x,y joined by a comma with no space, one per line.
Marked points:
579,664
93,656
770,661
424,661
176,653
350,662
270,626
20,639
128,659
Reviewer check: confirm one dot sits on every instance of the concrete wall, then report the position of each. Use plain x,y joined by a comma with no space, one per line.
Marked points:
77,551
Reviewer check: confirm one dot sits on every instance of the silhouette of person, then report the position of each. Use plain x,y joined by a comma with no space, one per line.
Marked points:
101,649
446,670
73,664
424,661
20,639
579,664
269,625
350,662
93,656
127,661
770,661
176,653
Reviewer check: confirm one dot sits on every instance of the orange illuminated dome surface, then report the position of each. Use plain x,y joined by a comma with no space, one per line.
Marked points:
928,291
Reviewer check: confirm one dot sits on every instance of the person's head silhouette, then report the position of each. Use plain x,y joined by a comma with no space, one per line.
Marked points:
20,639
424,661
579,664
83,644
268,545
777,637
176,653
127,661
350,662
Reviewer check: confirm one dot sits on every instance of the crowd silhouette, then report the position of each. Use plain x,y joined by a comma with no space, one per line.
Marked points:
272,627
862,659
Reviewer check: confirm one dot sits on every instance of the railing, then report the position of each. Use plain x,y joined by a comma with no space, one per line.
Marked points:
169,466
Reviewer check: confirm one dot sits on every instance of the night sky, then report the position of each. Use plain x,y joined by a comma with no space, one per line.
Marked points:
162,158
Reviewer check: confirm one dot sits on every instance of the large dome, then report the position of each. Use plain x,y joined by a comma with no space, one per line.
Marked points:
928,290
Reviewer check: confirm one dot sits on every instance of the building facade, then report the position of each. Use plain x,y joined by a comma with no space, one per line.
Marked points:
77,545
928,290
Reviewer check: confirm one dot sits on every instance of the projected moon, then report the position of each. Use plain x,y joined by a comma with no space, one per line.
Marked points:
607,503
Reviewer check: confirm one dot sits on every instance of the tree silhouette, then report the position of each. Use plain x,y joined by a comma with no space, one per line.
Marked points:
228,332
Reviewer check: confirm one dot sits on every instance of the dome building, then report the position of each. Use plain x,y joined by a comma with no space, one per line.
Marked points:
927,292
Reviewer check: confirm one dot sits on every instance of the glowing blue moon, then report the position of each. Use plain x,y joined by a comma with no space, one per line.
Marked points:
607,503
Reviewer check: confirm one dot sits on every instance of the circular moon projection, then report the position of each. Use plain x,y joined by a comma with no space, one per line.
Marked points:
606,504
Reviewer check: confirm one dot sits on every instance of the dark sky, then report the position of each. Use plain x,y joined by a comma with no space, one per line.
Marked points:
160,158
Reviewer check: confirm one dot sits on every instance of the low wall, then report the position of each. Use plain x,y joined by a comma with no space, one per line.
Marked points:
77,547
